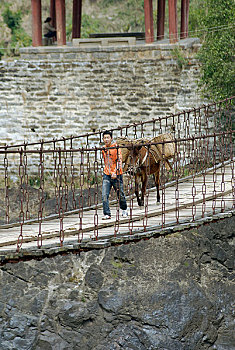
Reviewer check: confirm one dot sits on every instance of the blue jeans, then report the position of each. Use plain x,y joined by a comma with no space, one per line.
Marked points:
117,184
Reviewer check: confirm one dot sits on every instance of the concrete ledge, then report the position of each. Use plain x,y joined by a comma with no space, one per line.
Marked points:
115,41
93,49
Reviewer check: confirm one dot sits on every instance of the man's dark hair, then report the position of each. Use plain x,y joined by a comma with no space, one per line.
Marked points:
47,20
108,132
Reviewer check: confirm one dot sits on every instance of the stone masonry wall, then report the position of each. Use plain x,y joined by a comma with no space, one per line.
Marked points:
59,91
173,292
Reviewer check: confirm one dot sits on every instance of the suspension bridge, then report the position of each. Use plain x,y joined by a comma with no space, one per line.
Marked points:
51,190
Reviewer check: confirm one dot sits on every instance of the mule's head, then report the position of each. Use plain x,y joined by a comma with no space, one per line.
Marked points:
133,160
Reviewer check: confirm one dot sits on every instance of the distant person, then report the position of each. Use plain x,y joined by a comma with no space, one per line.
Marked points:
112,176
47,29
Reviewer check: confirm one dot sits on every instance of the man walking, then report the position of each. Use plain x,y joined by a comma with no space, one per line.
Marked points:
112,176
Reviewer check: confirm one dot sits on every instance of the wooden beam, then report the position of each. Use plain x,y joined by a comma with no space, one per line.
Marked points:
160,19
184,19
77,18
60,22
173,33
53,13
148,12
36,22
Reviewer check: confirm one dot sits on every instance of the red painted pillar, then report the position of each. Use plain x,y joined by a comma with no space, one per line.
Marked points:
160,19
148,13
172,4
60,22
184,19
36,22
77,18
53,13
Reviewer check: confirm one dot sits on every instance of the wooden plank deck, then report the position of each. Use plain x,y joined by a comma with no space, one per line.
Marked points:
214,195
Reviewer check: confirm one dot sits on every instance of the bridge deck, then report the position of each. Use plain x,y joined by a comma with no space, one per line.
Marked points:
218,195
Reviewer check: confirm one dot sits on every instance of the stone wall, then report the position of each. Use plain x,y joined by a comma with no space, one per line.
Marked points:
172,292
58,91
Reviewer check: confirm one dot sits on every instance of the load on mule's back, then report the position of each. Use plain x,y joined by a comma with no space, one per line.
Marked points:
143,157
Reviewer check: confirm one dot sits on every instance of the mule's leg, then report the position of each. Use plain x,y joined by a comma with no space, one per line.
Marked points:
144,180
137,190
157,183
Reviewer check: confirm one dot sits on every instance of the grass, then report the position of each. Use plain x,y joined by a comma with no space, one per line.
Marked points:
117,264
178,54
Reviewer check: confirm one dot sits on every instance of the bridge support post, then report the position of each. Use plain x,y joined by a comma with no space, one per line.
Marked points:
77,18
184,19
148,13
60,22
173,34
160,19
36,22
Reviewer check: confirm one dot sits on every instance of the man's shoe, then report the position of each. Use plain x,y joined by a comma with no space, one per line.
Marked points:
106,217
125,214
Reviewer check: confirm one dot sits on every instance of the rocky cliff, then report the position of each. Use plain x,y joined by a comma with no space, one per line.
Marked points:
172,292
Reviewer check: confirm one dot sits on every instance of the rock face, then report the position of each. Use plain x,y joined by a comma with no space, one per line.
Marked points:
168,293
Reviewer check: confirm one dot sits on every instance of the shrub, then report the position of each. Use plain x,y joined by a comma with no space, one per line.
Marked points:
217,52
19,37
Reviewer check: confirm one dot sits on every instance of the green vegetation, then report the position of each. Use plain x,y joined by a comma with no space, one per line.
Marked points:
178,54
117,264
74,279
112,16
11,23
12,19
109,2
217,52
131,16
83,299
89,25
34,181
196,12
